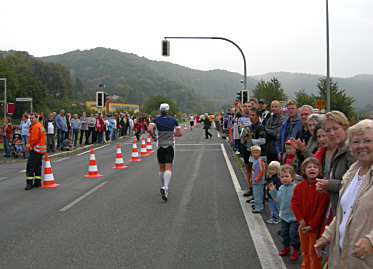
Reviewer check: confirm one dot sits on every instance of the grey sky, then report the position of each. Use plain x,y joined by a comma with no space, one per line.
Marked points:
275,35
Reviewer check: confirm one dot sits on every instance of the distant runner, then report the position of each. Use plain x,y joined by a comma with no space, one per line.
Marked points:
167,127
191,122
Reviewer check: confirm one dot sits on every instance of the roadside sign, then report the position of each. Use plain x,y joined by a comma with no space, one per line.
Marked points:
320,104
29,99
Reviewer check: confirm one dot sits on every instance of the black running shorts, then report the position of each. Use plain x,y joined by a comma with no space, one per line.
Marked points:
166,155
192,123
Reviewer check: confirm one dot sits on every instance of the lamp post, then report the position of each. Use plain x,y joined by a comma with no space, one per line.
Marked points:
4,79
225,39
327,60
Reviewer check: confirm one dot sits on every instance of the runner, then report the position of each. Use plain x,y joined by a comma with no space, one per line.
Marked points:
191,122
167,127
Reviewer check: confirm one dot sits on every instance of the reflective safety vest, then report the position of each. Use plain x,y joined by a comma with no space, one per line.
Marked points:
36,139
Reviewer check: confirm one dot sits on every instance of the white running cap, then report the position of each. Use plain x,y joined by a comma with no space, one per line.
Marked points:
164,107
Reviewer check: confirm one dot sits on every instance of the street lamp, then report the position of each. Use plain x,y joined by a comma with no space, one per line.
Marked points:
4,79
221,38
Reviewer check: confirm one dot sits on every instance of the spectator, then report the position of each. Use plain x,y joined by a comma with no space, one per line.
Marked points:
7,136
325,152
290,156
272,128
309,208
207,126
258,179
17,144
257,131
25,127
75,126
335,125
92,129
50,129
83,129
236,132
137,128
304,134
289,226
264,113
246,143
61,127
67,144
272,178
289,128
130,126
254,103
351,233
68,124
100,128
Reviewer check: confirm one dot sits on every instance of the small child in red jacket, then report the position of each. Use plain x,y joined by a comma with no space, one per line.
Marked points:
137,128
309,208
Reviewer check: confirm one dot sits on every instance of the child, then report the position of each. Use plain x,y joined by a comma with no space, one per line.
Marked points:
137,128
17,142
290,157
258,179
67,144
309,207
289,227
274,168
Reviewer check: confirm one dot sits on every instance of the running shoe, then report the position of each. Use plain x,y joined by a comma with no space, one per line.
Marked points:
164,194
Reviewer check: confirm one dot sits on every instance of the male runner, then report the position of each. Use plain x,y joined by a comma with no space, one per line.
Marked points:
166,127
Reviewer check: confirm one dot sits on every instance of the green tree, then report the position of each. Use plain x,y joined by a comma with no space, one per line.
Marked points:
152,103
269,90
304,99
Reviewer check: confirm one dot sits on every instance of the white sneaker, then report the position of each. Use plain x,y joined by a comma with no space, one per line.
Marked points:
164,193
272,221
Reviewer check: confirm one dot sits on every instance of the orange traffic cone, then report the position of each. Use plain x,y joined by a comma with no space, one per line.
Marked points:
48,180
143,151
135,154
185,128
119,159
149,145
92,169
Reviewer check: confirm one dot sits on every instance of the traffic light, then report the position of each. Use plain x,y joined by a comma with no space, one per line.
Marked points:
100,99
106,95
245,96
239,97
165,48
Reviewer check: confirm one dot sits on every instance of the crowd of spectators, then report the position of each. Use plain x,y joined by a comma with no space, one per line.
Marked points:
319,160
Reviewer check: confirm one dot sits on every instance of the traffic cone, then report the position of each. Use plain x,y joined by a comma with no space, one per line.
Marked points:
135,154
143,151
185,128
149,145
119,159
48,180
92,169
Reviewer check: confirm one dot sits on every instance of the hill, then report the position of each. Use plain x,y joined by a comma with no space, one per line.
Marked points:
134,77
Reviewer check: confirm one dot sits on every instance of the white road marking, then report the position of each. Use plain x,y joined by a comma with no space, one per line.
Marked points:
199,144
88,151
3,178
264,245
82,197
22,171
60,160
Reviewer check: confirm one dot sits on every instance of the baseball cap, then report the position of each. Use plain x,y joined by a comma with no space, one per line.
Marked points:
288,142
262,101
164,107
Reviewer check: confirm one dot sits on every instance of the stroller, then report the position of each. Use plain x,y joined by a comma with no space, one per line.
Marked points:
16,144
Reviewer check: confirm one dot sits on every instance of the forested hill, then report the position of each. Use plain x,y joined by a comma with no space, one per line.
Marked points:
133,77
130,77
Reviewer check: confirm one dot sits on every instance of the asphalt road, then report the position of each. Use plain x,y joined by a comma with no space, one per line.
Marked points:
120,221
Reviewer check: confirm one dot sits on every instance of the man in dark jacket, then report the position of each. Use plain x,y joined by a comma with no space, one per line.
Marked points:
273,126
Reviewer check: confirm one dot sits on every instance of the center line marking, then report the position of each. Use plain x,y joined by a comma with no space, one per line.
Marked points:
82,197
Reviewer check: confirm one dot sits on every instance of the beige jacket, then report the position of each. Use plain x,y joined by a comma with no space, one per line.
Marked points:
359,224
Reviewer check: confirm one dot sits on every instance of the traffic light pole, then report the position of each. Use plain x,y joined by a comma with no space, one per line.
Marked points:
4,79
221,38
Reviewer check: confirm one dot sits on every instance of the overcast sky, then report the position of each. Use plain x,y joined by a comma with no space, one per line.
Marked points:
275,35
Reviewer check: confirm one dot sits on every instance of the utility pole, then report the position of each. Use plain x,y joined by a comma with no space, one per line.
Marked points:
327,60
221,38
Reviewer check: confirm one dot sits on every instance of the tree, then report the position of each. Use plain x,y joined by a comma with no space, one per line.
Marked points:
338,98
152,103
269,91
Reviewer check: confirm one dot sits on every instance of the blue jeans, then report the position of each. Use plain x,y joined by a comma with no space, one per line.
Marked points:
60,137
258,193
75,136
275,209
114,134
24,143
6,145
290,234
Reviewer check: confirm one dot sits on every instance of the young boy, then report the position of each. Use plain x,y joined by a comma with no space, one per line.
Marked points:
273,168
309,207
258,179
289,226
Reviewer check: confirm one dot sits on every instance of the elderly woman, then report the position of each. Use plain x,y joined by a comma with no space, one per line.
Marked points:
335,125
350,235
